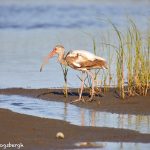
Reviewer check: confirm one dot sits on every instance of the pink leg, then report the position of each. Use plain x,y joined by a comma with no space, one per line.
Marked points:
82,86
93,84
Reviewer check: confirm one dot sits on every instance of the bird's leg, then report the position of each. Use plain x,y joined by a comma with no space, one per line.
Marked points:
82,85
81,90
93,84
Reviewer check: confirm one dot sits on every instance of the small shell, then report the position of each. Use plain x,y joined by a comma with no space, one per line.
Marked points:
83,143
60,135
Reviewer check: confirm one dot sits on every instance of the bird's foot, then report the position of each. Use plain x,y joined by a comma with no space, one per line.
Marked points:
91,99
78,100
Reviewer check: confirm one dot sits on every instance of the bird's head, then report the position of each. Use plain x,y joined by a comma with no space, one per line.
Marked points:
58,49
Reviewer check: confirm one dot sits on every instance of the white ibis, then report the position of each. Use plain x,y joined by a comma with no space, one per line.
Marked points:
79,60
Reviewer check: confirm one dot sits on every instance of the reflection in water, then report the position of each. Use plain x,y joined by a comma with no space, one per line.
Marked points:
65,111
113,145
73,114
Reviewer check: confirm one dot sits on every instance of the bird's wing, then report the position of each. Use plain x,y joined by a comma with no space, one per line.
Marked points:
72,60
75,59
84,54
87,55
84,59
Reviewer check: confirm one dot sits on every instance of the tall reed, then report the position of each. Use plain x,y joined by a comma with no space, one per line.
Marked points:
65,72
130,62
120,62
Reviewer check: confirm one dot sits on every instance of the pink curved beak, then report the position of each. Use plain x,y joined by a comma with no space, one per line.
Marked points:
50,55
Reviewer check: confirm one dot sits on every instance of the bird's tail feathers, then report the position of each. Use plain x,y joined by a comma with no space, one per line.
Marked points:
103,62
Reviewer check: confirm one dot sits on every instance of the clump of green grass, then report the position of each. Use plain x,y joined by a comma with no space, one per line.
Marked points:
132,59
137,61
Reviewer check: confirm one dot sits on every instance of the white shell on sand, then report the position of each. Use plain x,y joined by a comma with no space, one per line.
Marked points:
60,135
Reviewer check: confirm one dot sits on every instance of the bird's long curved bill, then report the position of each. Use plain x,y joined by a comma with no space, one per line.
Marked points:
45,61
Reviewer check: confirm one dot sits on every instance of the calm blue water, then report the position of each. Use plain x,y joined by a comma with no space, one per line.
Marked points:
69,16
114,145
30,29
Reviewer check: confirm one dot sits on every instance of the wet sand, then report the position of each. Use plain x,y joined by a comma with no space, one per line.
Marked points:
39,133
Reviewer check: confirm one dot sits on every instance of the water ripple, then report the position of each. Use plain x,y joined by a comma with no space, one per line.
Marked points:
66,16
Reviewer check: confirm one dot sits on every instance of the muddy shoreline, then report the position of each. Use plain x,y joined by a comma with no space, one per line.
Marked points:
39,133
109,101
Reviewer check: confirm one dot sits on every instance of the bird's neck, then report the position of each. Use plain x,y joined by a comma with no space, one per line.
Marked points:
61,58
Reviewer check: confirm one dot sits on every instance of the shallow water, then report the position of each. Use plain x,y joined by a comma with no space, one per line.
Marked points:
113,145
30,29
73,114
